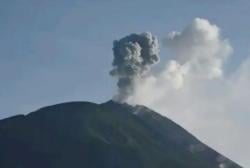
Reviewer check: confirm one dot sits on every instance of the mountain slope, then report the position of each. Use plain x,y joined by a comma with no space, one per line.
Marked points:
109,135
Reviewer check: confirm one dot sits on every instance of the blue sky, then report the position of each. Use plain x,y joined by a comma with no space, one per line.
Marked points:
56,51
61,50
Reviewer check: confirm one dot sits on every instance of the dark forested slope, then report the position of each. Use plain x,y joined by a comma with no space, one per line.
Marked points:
109,135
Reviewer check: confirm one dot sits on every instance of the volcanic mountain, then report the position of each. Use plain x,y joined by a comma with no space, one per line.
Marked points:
108,135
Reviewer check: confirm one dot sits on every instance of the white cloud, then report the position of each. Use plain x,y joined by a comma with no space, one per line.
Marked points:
200,48
192,90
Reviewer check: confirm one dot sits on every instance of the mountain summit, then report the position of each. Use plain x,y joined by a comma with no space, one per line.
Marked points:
108,135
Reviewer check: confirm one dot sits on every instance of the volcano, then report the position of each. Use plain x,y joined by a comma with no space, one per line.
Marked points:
107,135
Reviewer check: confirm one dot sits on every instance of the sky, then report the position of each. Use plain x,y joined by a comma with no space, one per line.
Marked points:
59,51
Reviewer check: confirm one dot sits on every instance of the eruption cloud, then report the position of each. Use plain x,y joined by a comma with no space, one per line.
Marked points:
133,57
199,48
191,88
198,55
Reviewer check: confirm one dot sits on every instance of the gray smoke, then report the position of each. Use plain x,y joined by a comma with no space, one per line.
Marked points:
133,57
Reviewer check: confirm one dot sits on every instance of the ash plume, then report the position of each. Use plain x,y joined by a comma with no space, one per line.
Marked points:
133,57
192,88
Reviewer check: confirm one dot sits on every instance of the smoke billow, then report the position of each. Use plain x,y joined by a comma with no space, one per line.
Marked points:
191,88
198,55
200,47
133,57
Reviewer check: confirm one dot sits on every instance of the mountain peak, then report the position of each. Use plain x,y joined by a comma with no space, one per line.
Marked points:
107,135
